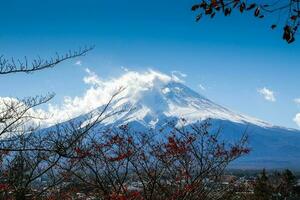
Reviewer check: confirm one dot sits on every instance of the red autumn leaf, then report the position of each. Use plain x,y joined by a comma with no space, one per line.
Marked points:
236,4
212,15
227,11
257,11
203,5
4,186
242,7
251,6
195,7
214,3
273,26
294,17
198,17
208,11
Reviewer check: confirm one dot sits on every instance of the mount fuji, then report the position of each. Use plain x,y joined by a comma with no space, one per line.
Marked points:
154,98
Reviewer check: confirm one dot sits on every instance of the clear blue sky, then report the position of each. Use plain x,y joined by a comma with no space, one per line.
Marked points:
231,57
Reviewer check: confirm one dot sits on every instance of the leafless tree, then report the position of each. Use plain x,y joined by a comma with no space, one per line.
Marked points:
183,162
12,65
33,160
28,154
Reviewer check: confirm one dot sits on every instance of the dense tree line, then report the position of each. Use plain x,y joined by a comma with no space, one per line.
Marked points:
276,186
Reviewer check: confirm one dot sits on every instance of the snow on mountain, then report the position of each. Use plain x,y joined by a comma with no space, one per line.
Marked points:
153,98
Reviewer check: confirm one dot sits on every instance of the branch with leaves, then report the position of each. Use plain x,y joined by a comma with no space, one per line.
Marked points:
183,163
288,10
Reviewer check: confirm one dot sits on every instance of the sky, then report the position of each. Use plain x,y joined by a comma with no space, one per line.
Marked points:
237,61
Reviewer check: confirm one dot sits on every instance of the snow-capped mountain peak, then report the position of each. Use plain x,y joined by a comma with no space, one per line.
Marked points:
151,98
161,98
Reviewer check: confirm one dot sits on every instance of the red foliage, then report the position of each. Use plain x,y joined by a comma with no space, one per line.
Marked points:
116,140
176,147
289,8
236,151
81,153
3,186
131,195
4,152
121,156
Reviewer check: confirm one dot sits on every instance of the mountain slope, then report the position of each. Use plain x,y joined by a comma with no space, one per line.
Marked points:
155,100
176,100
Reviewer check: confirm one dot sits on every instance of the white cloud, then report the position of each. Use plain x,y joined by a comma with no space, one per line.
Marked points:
297,101
9,109
267,94
91,78
78,62
101,90
166,90
136,84
125,69
202,87
297,119
178,76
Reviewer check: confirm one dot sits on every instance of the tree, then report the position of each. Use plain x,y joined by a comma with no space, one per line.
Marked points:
10,66
278,185
16,113
176,162
288,10
287,183
35,156
183,162
262,189
28,154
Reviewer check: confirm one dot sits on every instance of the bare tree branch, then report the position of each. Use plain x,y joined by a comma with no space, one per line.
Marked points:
8,66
